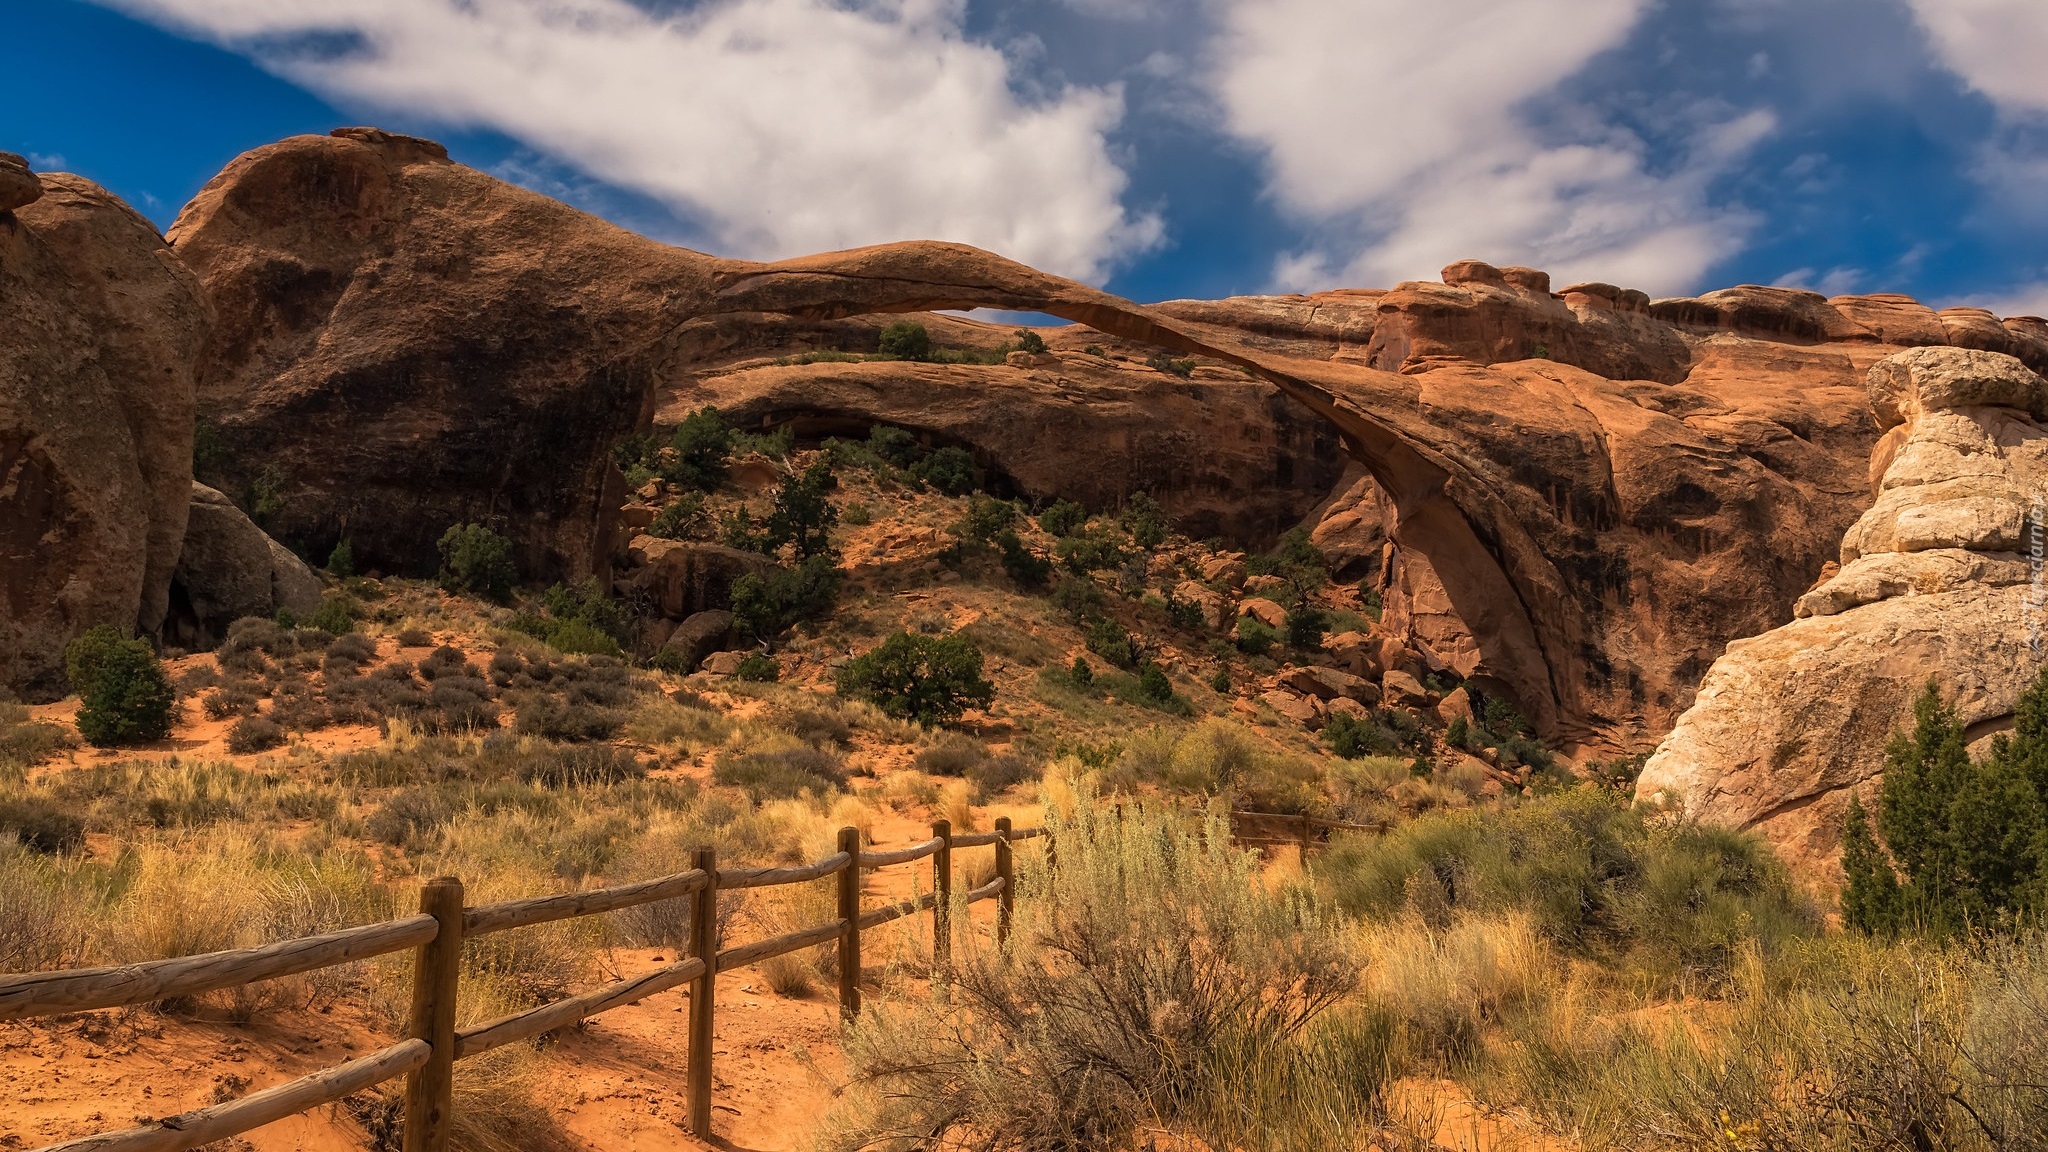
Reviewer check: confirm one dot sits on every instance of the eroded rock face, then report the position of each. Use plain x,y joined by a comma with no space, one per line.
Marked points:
228,569
1591,492
1936,579
100,332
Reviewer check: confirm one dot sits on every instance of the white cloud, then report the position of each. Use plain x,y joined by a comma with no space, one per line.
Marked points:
1996,46
1399,128
2019,300
780,126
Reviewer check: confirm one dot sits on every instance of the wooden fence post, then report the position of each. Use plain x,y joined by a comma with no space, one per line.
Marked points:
942,886
1006,870
1307,832
849,937
436,978
703,946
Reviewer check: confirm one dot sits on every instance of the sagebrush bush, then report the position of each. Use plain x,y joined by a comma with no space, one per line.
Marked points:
780,773
1149,974
254,734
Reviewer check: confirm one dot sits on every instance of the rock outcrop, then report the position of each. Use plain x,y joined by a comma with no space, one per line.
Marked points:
1591,492
1939,578
228,569
101,329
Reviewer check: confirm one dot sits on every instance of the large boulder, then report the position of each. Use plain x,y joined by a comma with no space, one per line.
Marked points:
229,569
699,636
681,578
100,332
1932,583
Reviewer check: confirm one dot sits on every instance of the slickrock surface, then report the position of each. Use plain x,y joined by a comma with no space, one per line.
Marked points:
1936,580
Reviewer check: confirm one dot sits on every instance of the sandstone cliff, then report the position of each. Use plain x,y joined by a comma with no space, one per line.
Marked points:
101,329
1591,492
1937,579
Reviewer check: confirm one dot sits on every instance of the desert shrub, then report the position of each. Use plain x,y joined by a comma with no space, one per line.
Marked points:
1027,568
989,518
1081,673
952,754
560,767
764,609
353,648
254,734
1150,979
1063,518
803,516
1597,877
125,698
702,445
680,520
411,817
1080,599
25,743
43,917
1305,627
39,824
758,668
1152,681
447,660
337,614
1145,520
476,561
1254,636
1093,549
1964,844
414,637
906,340
556,718
927,679
1167,364
1354,736
1107,639
780,774
993,775
1220,682
949,470
814,725
341,559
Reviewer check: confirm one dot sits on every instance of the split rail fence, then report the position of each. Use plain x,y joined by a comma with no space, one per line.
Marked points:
426,1057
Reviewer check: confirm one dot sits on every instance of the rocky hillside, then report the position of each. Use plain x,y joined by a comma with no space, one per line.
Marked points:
1587,493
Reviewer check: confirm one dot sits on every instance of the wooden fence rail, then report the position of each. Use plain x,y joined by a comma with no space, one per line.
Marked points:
433,1044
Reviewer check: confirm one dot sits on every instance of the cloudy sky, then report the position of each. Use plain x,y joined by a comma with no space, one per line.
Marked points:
1162,148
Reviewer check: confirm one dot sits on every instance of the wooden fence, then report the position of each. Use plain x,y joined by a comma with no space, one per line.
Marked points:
433,1043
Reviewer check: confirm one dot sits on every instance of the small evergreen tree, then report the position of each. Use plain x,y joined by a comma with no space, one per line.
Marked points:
702,444
1029,341
906,340
125,698
929,679
803,516
1064,518
950,470
477,561
1305,627
1960,844
341,562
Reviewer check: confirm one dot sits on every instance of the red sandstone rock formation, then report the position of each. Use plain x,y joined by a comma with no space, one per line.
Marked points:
1602,490
99,329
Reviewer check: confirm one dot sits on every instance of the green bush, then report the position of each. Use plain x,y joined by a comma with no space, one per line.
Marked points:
1079,599
680,520
477,561
337,614
1064,518
1029,341
1964,844
894,445
803,516
702,444
254,734
906,340
989,518
1093,550
1081,673
764,609
1255,636
1599,877
928,679
125,698
1154,683
1305,628
1165,363
1221,681
759,668
1145,520
1027,568
1107,639
857,515
950,470
341,562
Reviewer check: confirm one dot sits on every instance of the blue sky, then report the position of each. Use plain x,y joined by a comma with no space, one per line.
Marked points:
1162,148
